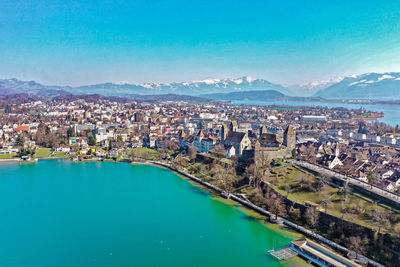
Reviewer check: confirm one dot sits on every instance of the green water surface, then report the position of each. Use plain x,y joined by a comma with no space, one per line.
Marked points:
61,213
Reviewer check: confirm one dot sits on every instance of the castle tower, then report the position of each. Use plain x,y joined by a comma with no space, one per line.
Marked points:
257,154
263,130
233,127
224,132
289,138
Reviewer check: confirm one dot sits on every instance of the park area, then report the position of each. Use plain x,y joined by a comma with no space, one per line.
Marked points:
303,187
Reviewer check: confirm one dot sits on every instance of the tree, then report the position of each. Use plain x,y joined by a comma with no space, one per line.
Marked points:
344,193
294,153
20,140
250,170
171,145
380,218
295,214
305,182
371,177
91,140
192,152
311,216
224,178
276,206
396,229
356,244
288,189
326,201
71,132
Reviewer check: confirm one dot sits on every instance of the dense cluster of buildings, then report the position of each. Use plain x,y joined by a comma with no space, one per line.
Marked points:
329,137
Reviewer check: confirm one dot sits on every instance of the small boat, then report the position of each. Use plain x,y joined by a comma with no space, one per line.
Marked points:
27,159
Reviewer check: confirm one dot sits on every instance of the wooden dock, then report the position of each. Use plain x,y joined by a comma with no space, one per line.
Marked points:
283,253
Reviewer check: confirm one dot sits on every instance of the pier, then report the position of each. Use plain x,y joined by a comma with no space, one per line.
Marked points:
283,253
320,255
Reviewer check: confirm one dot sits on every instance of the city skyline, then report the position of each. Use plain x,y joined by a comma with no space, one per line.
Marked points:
77,44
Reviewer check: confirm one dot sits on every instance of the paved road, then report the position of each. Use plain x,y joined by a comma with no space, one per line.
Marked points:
383,193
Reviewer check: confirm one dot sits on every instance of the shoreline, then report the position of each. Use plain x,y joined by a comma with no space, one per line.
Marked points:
282,223
5,161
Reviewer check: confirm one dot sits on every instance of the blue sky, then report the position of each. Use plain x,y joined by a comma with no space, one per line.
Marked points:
287,42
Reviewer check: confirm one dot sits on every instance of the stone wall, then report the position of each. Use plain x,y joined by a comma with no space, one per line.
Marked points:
264,155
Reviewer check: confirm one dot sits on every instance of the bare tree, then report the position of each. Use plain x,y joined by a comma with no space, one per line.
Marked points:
311,216
326,201
250,172
192,152
396,229
224,178
356,244
380,218
371,178
276,206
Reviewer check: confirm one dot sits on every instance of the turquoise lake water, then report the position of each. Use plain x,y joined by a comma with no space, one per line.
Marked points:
392,112
61,213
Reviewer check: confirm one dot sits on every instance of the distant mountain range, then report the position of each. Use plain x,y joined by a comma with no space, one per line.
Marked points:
194,88
311,88
266,95
382,86
374,86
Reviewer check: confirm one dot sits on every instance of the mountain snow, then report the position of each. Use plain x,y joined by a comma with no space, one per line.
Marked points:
365,86
206,86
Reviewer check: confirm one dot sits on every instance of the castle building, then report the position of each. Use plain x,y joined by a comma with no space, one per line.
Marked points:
269,146
231,137
263,130
240,141
224,132
233,127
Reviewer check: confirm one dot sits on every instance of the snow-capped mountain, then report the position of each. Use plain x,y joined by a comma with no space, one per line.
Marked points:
365,86
379,86
194,88
309,89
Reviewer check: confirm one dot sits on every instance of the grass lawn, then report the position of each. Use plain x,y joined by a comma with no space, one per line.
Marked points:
144,152
42,152
60,154
7,156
